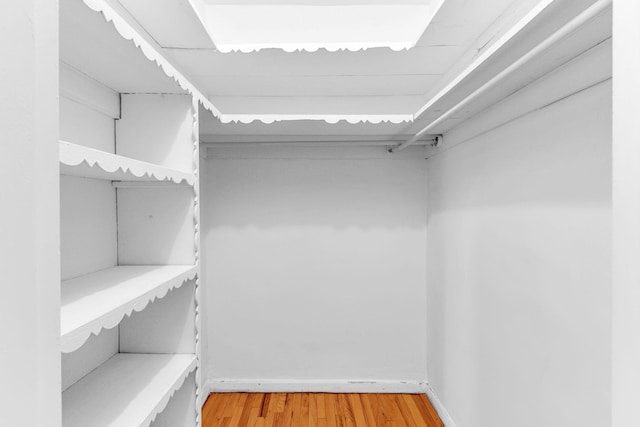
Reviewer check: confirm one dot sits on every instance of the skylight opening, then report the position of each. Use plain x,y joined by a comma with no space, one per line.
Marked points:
309,25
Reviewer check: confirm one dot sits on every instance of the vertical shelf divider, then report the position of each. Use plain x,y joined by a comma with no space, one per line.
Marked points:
130,204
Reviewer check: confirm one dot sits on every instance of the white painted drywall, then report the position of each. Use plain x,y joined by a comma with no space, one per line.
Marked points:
315,269
29,218
155,226
97,350
626,215
82,125
519,269
165,119
88,226
164,326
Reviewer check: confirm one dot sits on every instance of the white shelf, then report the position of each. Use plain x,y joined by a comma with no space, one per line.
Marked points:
96,47
109,46
100,300
78,160
129,390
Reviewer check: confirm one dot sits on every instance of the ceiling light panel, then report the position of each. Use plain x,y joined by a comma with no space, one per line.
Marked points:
309,25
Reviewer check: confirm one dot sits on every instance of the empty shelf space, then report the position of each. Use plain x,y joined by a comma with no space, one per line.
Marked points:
78,160
128,390
100,300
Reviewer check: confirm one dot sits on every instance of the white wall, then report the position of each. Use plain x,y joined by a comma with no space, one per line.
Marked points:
519,269
315,270
626,215
29,219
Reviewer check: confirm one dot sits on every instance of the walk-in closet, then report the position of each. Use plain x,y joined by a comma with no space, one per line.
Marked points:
320,213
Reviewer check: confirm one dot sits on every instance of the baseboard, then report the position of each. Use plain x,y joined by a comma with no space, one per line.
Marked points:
314,386
439,407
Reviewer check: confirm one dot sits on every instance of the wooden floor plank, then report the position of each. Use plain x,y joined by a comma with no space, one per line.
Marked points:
252,418
278,419
424,401
267,402
358,409
344,409
218,417
304,410
397,412
330,403
296,418
211,406
322,415
369,414
389,408
405,412
313,410
318,409
231,405
237,416
288,410
254,402
377,409
424,412
269,421
413,409
279,401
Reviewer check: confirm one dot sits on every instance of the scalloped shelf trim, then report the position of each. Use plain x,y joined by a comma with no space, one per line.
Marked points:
162,404
78,160
128,32
102,299
329,118
138,386
311,47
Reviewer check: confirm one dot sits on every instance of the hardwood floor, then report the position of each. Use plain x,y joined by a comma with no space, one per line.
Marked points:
318,409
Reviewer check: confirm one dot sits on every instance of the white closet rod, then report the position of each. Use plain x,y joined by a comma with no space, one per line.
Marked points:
355,143
567,29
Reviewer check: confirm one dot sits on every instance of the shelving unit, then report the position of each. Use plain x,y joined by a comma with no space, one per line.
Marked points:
137,388
129,160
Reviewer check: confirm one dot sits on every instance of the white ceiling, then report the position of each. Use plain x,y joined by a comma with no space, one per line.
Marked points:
397,80
318,2
369,85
